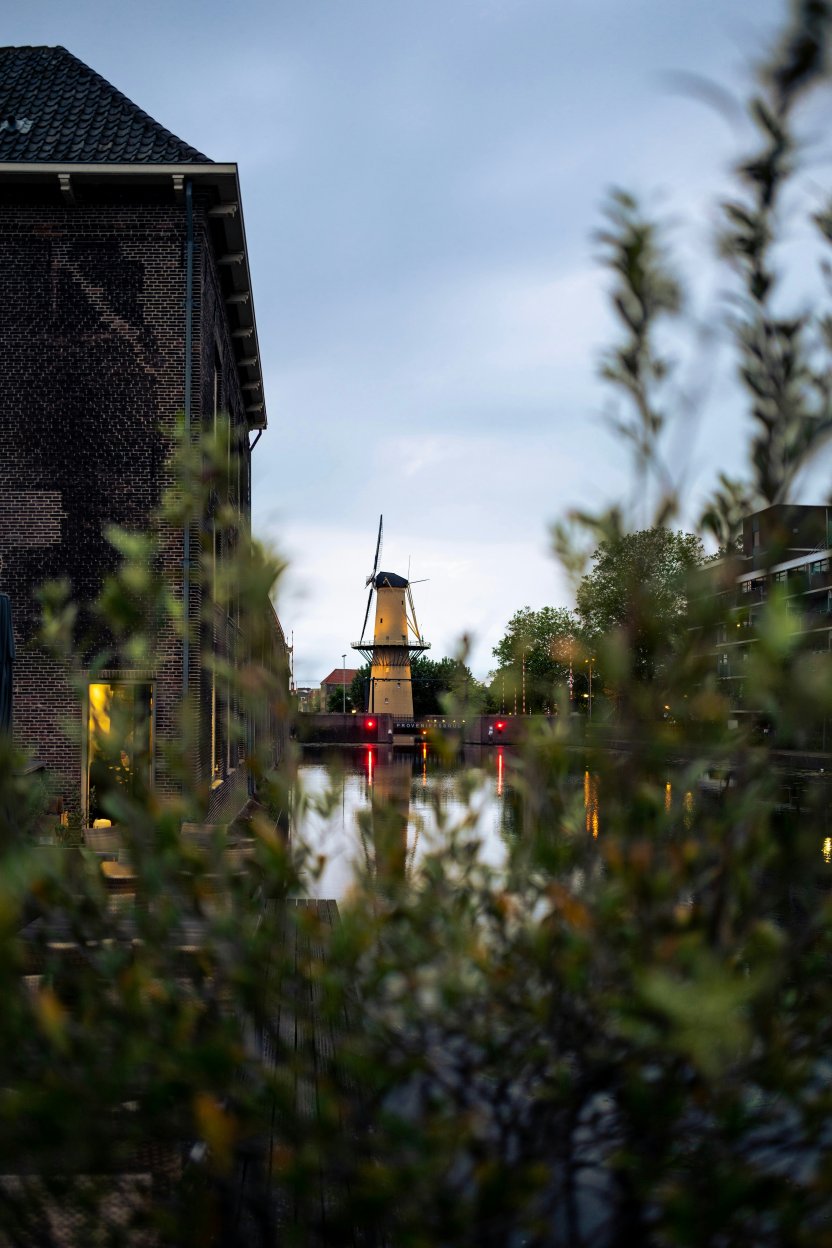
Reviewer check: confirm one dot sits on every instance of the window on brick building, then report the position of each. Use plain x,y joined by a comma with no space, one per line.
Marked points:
119,742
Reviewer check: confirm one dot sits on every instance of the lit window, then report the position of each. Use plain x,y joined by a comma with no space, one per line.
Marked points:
119,741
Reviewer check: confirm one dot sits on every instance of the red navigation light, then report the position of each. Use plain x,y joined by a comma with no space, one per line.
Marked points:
370,723
500,725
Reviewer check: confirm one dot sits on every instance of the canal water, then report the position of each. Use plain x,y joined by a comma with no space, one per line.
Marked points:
335,787
385,808
421,791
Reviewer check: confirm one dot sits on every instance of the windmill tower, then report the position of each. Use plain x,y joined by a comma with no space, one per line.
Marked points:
396,639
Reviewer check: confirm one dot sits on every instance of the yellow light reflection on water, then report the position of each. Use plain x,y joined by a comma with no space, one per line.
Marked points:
668,797
827,849
688,806
591,802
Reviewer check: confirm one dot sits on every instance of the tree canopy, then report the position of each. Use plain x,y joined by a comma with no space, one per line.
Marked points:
638,587
551,641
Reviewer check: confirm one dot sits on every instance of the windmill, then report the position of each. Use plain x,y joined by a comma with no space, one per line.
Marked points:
396,639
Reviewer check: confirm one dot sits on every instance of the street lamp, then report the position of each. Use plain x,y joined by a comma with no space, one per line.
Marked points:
344,684
525,648
590,661
570,680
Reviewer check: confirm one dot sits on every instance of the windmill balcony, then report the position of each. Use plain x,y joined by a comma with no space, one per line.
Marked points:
391,645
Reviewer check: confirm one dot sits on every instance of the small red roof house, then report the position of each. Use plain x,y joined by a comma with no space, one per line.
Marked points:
337,679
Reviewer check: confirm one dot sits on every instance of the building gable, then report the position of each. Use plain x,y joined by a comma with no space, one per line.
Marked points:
54,108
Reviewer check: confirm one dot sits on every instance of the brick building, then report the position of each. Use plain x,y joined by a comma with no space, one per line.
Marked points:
338,681
126,307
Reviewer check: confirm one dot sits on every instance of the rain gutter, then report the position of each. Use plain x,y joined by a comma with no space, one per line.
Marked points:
189,313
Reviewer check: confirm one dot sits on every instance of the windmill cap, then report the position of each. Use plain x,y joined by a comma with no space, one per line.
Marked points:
390,580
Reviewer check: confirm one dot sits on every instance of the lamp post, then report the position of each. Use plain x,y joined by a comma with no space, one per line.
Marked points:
590,661
525,648
344,684
570,680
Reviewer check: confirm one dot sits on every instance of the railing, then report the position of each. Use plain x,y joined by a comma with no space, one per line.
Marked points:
390,645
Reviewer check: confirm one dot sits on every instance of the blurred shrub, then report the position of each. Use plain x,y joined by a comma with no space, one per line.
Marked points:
612,1039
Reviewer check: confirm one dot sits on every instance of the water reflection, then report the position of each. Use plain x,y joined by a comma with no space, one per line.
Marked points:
392,801
389,817
386,813
591,802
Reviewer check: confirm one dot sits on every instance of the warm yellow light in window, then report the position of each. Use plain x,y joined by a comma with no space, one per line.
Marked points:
100,709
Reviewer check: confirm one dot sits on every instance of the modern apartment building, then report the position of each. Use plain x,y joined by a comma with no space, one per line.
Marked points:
787,548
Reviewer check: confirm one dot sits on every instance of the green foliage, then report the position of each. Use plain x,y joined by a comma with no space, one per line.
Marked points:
360,686
336,699
439,683
636,594
543,645
618,1035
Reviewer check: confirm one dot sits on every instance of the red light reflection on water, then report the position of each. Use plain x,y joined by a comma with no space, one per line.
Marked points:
500,768
370,764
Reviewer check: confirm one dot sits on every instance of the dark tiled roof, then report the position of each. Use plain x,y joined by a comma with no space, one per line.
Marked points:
53,107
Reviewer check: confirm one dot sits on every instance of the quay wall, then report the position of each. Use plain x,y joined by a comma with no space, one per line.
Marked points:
333,728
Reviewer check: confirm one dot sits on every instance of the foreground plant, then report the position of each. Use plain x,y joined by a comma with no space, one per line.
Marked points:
618,1038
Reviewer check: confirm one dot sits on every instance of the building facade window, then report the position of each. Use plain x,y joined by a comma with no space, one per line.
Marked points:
119,751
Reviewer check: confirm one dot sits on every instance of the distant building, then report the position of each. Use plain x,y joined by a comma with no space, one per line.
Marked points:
308,698
337,680
126,303
785,546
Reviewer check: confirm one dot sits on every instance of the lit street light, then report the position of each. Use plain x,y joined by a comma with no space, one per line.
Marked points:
525,648
590,661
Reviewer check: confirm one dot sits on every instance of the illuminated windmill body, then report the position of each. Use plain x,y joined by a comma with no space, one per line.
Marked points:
396,640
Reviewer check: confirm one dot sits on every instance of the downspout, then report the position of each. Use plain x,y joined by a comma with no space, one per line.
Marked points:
251,728
189,310
250,447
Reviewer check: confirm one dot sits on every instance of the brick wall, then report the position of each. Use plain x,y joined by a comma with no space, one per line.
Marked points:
92,318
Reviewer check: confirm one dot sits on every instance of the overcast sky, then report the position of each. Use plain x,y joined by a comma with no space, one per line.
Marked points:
421,180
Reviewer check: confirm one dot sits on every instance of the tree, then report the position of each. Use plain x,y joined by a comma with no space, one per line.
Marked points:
439,682
548,644
359,686
638,589
335,700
